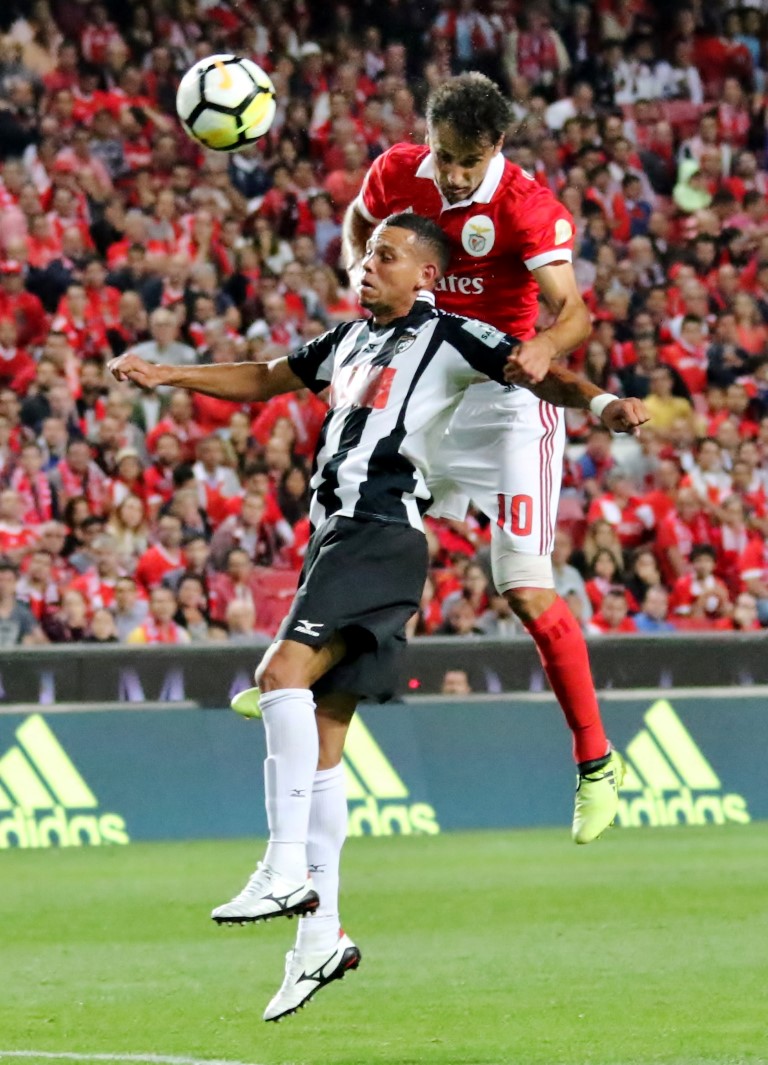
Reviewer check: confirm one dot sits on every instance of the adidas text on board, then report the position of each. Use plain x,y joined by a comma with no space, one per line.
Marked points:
44,800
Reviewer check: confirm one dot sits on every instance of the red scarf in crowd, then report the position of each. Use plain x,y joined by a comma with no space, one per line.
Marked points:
154,633
536,54
37,496
92,484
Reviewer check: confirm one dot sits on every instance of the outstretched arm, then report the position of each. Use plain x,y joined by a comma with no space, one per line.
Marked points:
562,388
243,382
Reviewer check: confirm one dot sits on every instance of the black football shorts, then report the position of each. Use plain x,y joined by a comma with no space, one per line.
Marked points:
363,579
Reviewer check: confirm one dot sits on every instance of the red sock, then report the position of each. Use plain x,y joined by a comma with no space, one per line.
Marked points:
563,654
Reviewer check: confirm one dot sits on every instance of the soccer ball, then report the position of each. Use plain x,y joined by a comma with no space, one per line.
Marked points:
225,102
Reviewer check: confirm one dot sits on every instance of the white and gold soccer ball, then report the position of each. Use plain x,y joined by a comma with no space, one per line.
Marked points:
226,102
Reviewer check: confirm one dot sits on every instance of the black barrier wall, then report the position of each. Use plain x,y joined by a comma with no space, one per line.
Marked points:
209,676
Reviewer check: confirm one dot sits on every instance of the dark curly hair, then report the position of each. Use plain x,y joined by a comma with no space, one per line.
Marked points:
472,105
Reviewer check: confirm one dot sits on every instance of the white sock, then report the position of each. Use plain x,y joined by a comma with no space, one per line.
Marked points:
327,832
289,769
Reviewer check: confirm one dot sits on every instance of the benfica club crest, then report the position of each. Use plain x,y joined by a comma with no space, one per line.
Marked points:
478,235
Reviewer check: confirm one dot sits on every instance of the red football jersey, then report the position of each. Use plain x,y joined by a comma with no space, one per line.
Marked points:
511,226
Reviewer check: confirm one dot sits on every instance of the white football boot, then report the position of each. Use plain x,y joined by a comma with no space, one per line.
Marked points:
307,971
268,895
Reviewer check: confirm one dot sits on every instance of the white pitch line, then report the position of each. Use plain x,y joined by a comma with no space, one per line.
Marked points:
150,1059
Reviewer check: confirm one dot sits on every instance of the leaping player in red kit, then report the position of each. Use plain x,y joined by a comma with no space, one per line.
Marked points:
511,241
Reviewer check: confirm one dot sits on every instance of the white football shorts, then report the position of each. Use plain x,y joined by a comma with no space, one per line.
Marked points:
504,452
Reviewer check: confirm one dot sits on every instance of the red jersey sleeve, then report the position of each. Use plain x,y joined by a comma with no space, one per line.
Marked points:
372,199
545,229
386,175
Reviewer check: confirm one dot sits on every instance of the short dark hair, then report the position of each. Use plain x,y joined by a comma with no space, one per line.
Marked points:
471,104
427,232
702,551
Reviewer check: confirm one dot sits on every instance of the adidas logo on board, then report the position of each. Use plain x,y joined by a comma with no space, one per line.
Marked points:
44,801
672,780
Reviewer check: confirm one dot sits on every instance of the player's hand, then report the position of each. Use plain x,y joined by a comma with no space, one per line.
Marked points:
130,367
625,415
529,363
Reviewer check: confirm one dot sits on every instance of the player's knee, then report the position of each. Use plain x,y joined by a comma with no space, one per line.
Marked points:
530,603
281,670
526,581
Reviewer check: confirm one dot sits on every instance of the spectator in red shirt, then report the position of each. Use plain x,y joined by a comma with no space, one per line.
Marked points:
36,588
103,300
85,331
303,409
97,584
249,530
660,500
750,488
744,617
24,307
65,74
612,618
159,626
166,555
344,184
685,527
731,539
688,355
78,475
708,479
604,575
159,476
32,485
69,624
700,594
97,35
235,583
16,538
619,507
211,471
17,367
180,423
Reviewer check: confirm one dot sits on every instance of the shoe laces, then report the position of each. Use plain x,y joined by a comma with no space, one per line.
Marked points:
293,968
260,879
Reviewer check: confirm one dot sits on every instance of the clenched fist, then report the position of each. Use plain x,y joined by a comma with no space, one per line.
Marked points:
624,415
130,367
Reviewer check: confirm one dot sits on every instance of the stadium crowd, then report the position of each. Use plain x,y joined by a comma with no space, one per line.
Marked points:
172,518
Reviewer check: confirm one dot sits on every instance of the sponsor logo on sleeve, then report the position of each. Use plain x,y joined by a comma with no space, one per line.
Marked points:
489,336
563,231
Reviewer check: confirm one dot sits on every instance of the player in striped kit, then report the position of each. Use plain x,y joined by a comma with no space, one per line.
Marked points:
511,241
395,382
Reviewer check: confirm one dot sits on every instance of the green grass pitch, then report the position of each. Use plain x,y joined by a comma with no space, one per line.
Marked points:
484,949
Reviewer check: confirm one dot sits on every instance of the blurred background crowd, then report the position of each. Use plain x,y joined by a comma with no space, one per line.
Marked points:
172,518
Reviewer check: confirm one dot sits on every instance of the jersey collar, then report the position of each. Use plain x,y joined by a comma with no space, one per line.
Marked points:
485,191
424,302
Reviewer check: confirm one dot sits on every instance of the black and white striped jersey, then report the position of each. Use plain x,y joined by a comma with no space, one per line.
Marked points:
393,390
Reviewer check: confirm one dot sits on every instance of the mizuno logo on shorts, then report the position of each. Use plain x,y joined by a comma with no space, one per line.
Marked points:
308,628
